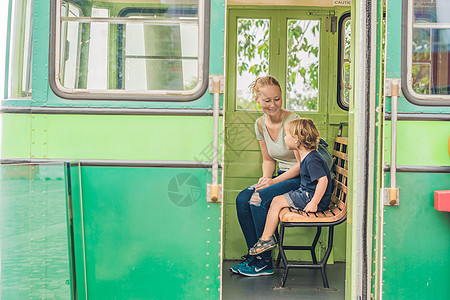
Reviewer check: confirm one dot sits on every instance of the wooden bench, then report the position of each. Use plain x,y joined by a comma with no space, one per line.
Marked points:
336,214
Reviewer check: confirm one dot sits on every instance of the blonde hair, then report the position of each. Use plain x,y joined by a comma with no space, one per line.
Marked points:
305,132
261,82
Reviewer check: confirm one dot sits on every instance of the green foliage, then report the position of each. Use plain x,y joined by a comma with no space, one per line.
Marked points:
421,61
250,46
253,53
421,78
300,49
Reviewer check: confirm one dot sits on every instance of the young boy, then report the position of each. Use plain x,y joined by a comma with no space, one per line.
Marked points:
314,193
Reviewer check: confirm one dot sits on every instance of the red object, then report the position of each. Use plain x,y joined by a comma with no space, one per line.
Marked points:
442,200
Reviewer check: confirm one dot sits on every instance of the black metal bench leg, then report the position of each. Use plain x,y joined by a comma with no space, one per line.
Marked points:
283,256
324,261
277,263
314,244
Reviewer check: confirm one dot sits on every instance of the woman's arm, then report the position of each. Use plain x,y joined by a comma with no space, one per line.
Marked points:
294,171
269,164
321,188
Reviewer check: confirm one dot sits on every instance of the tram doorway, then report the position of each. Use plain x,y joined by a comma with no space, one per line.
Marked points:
298,47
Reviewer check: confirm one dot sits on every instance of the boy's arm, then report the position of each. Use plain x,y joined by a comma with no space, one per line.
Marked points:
321,187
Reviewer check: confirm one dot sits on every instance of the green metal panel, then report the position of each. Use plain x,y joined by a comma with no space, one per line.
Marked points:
33,232
108,137
145,233
16,133
419,143
41,28
39,136
416,246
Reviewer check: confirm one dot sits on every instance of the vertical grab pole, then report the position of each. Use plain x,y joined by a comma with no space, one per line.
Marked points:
391,195
215,158
394,110
214,193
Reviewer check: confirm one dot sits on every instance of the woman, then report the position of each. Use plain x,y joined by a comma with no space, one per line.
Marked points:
252,204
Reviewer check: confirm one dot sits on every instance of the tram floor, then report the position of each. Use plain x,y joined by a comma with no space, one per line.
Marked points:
301,284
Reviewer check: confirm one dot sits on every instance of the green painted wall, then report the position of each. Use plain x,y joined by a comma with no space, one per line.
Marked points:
419,143
16,135
416,250
416,247
108,137
145,233
139,243
33,233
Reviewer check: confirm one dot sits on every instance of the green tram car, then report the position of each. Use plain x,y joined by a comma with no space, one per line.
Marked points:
128,131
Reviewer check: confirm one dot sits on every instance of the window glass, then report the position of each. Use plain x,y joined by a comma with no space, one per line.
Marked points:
174,57
252,58
302,81
428,68
71,47
345,86
20,51
110,49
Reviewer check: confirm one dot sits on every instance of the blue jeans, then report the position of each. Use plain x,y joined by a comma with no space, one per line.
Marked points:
252,217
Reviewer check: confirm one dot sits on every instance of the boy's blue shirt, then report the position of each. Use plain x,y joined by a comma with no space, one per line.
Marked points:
313,167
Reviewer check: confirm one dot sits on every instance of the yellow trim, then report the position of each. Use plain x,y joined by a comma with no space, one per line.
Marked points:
449,146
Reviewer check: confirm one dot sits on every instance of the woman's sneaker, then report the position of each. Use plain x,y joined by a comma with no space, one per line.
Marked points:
257,267
247,259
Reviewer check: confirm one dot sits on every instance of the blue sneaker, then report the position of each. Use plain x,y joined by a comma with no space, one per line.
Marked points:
257,267
247,259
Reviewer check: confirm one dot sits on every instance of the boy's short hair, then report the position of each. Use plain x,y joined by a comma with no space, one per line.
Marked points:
305,132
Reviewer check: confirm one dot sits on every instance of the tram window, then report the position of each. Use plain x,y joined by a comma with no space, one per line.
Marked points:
71,47
302,76
20,50
344,85
252,58
426,72
156,51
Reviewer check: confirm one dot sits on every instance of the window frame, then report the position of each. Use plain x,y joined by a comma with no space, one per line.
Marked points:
278,63
19,65
406,63
341,60
204,16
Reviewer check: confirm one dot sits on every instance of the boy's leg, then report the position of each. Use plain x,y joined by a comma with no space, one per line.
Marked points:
278,203
260,208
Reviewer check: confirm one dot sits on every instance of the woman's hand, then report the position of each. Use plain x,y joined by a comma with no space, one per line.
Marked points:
264,182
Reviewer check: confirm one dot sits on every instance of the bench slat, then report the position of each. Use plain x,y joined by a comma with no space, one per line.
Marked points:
340,170
340,154
340,204
340,185
341,140
294,216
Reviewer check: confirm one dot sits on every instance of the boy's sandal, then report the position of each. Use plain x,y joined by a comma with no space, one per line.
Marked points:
262,246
